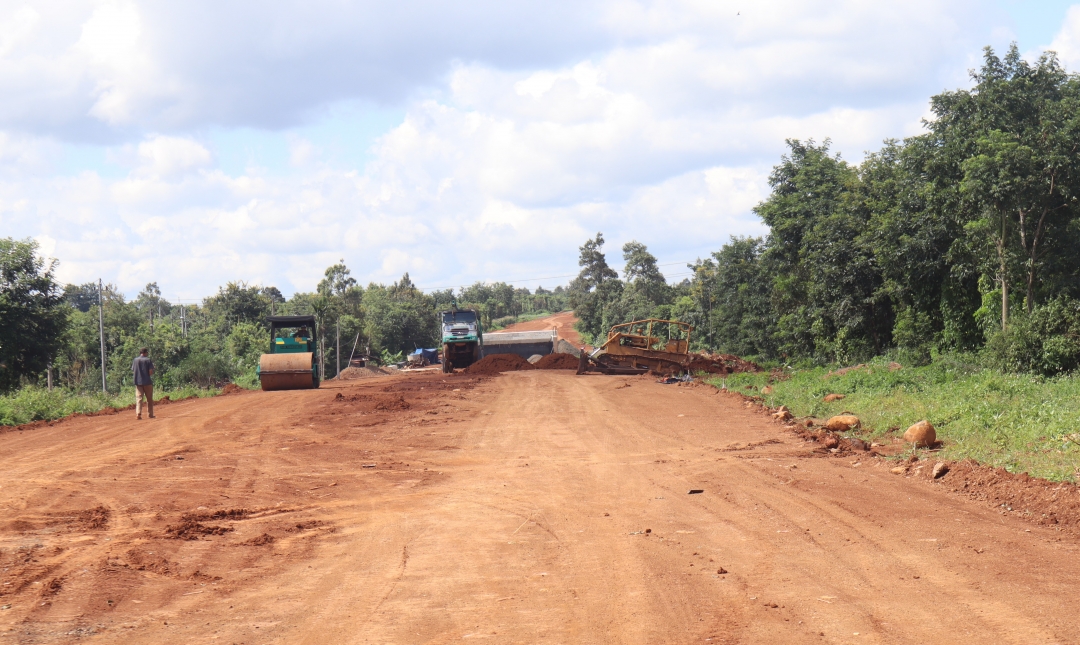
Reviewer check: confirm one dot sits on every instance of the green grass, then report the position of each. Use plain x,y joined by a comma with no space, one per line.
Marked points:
37,404
1020,422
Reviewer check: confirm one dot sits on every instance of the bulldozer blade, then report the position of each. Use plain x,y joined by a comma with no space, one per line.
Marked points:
592,365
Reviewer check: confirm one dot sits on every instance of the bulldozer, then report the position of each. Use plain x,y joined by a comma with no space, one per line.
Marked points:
462,338
661,346
292,363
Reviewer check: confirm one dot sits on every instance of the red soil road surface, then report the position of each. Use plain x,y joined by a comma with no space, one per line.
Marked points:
531,507
562,322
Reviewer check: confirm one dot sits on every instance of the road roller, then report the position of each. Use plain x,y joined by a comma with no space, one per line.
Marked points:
292,363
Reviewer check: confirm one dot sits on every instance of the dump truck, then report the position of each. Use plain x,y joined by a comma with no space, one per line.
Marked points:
462,338
661,346
293,360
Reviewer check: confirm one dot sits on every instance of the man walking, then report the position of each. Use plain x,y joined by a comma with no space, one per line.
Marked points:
143,368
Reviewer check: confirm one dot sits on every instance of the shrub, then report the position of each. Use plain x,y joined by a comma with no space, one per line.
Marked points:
1045,342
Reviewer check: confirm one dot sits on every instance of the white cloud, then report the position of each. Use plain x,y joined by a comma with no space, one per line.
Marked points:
1067,41
100,70
169,156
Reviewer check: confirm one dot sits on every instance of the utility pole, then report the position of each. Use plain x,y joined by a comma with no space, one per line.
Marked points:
101,334
337,346
48,374
183,322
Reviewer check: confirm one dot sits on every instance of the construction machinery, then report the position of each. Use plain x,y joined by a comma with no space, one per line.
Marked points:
661,346
292,363
462,338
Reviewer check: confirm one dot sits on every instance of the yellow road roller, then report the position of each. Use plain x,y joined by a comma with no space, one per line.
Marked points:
292,363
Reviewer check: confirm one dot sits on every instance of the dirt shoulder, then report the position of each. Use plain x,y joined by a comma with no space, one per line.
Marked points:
535,506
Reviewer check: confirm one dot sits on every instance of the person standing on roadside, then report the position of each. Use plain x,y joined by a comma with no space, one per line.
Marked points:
143,368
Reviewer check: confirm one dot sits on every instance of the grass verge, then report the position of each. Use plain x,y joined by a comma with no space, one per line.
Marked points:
39,404
1022,423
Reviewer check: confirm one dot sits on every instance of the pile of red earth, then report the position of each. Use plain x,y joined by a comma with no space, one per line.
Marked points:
558,362
498,363
232,388
721,364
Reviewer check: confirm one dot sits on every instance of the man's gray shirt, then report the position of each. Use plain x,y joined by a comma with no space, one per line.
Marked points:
141,368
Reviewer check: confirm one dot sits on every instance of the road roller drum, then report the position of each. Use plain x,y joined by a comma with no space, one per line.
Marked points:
286,371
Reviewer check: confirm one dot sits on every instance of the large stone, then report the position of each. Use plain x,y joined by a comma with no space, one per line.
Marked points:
829,398
842,423
922,434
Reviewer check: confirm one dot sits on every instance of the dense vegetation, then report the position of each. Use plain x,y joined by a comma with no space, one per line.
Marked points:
963,238
217,340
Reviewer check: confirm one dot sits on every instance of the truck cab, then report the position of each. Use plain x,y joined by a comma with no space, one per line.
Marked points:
462,338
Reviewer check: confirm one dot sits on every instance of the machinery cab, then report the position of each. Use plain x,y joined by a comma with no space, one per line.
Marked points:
462,338
461,325
292,336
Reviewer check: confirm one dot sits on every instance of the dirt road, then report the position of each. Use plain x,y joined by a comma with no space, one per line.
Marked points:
533,507
562,322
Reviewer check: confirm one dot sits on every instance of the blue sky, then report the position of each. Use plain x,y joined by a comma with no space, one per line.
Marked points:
197,143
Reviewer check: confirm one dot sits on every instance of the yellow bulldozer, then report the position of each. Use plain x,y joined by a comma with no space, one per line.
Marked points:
661,346
293,360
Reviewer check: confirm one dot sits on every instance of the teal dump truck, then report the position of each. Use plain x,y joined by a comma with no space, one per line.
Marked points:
462,338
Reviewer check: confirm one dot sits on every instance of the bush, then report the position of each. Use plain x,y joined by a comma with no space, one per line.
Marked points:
1045,342
204,369
37,403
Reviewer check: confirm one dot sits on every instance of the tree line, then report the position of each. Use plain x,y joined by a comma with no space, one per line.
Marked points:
963,238
52,328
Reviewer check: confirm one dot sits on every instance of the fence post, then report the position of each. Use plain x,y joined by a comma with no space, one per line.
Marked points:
101,333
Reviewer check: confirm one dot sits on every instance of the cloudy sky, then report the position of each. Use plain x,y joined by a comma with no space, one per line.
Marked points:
193,143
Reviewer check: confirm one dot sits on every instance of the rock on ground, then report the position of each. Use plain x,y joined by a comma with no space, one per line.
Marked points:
842,423
922,434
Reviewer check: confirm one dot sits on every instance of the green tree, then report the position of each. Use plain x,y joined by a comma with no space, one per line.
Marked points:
399,318
1013,140
594,290
32,312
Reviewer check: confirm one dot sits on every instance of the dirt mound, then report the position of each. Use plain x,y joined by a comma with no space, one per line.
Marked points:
231,388
392,405
351,373
190,530
721,364
229,514
1037,500
497,363
94,518
558,362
